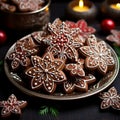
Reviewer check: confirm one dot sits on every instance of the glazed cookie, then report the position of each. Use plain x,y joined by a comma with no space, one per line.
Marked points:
46,72
63,41
76,69
29,45
84,29
110,99
23,48
98,55
12,105
69,36
79,83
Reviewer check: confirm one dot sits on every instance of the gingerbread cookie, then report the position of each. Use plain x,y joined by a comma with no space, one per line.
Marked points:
21,5
98,55
7,7
12,105
84,29
76,69
46,72
65,35
63,41
28,5
79,83
29,45
39,36
23,49
114,37
110,99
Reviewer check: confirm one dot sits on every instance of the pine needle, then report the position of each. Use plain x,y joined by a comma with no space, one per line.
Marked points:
48,110
44,110
53,111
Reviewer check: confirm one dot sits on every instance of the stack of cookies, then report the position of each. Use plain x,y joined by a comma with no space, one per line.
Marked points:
64,56
21,5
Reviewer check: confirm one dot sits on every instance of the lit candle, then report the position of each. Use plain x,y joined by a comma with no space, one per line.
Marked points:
81,7
115,6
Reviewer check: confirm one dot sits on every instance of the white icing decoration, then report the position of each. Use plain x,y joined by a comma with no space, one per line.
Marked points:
47,73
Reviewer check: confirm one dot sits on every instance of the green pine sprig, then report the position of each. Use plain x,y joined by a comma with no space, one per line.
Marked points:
53,111
48,110
44,110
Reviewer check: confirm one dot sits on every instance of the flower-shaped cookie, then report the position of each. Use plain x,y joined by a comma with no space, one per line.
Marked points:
85,30
98,55
76,69
46,72
22,50
114,37
12,105
79,83
110,99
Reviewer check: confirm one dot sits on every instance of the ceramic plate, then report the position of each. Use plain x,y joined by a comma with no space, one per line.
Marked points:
94,89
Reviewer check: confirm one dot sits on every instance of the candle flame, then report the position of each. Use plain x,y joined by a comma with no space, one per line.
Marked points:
81,3
118,5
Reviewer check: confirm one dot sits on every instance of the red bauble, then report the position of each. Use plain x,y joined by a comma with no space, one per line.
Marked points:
107,25
3,36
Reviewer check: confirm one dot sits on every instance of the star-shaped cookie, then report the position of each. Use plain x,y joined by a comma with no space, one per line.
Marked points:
12,105
46,72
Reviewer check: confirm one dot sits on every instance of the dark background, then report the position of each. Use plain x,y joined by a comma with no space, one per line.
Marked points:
81,109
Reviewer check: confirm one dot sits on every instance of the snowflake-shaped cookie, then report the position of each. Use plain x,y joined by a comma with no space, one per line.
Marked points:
98,55
22,50
79,83
61,34
46,72
12,105
85,30
114,37
110,99
76,69
63,40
